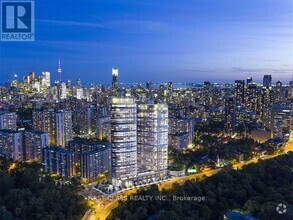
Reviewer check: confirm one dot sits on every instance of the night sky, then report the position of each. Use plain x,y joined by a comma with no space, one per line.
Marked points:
157,40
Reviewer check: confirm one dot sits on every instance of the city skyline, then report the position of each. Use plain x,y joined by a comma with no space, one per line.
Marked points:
54,79
126,109
192,42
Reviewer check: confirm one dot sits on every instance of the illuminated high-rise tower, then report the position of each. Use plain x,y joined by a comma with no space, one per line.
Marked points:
248,81
251,97
267,81
278,93
152,137
230,115
58,124
115,83
47,79
239,91
8,120
124,139
207,93
266,105
59,71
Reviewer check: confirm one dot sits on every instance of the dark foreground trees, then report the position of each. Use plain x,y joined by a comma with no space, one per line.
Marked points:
257,189
25,193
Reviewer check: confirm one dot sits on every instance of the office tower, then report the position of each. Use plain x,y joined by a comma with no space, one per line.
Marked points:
248,81
35,141
14,82
170,85
266,106
8,120
281,122
79,93
251,98
115,83
95,162
78,83
47,78
31,77
58,161
239,91
149,85
11,144
267,81
152,137
278,93
207,93
230,114
123,120
58,124
36,86
63,91
103,128
68,84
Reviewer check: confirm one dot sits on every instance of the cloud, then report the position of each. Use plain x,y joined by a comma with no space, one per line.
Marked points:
127,26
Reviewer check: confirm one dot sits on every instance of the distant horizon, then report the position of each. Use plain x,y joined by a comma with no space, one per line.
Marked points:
73,81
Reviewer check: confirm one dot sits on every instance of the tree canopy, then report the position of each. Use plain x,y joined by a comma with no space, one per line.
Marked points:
257,189
26,193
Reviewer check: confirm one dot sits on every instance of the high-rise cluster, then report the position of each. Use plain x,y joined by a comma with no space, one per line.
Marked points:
139,138
127,131
264,107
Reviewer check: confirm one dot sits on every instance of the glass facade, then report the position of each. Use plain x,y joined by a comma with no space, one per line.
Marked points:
152,137
123,137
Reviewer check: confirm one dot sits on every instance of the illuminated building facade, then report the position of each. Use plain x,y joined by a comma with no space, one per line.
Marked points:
239,86
11,144
35,141
230,114
58,124
123,118
58,161
267,81
251,98
115,83
177,126
266,106
281,122
95,162
8,120
103,128
152,137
